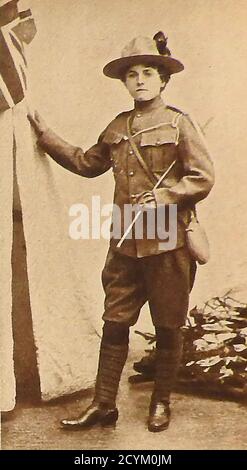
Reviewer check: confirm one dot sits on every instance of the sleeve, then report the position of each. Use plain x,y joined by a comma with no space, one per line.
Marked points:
198,177
90,164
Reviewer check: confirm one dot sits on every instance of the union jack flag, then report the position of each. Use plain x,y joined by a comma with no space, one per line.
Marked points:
16,28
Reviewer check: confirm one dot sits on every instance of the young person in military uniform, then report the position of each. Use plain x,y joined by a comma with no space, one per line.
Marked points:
142,270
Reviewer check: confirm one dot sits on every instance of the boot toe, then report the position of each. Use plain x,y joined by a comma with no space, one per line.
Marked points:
159,417
88,418
158,425
69,423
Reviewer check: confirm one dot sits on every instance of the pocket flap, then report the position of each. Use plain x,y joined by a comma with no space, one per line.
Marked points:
156,137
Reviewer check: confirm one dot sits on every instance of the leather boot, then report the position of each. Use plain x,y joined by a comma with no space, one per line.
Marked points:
103,408
95,413
167,365
159,416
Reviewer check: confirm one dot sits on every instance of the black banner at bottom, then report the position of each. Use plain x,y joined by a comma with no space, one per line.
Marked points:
109,458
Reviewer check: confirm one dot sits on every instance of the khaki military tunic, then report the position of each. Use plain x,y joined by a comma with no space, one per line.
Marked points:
163,135
145,269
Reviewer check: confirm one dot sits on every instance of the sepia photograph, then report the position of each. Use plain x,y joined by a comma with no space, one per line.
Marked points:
123,280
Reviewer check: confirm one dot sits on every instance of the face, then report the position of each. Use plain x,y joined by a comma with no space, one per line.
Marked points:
143,82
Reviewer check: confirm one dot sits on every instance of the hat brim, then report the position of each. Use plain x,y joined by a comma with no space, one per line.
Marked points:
116,68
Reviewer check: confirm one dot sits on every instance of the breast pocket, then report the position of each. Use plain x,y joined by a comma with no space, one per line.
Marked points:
161,145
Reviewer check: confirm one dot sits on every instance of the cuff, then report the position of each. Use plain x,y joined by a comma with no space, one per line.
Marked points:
163,197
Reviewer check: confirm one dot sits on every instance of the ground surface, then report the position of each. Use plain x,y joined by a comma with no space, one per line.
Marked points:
198,422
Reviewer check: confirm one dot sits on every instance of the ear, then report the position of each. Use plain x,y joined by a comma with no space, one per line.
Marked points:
163,85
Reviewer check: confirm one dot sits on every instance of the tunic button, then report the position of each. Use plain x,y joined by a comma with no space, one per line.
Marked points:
125,137
131,152
157,142
138,115
133,196
131,173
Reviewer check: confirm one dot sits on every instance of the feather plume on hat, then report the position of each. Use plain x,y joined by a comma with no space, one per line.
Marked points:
144,50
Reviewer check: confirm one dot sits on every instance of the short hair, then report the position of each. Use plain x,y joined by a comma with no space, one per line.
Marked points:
163,73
